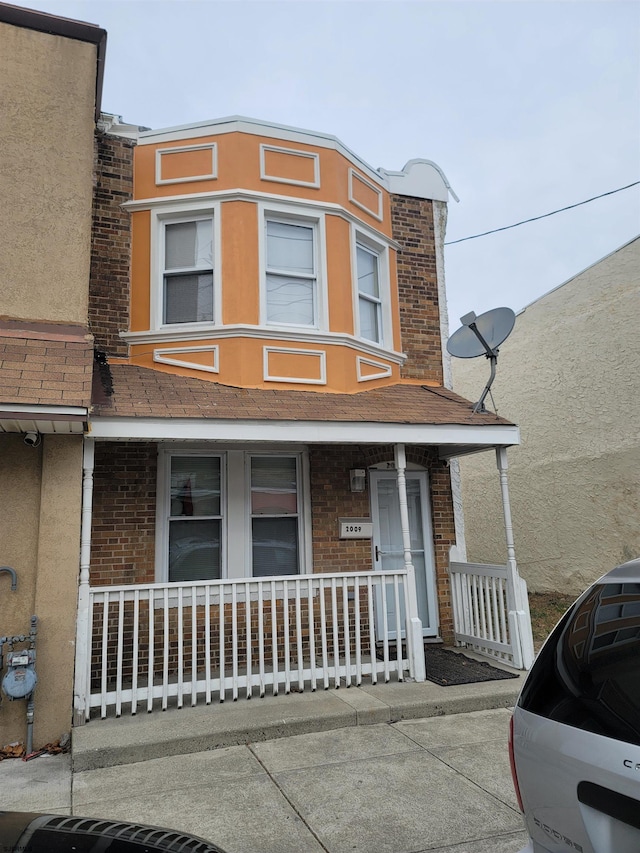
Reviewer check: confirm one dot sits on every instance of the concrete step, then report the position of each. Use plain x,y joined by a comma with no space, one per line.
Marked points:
177,731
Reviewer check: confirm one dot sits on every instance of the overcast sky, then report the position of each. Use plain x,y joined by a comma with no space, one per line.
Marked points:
526,106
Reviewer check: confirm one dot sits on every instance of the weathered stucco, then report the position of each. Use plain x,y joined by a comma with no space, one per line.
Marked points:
40,535
47,91
569,375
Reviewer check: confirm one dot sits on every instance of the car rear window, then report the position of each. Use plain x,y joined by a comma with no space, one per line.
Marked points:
587,675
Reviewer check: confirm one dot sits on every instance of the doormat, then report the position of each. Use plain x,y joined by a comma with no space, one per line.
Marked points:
445,668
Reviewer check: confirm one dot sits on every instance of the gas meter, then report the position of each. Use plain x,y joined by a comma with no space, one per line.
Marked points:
20,678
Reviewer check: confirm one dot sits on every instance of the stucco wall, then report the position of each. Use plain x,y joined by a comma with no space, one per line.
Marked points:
40,539
569,375
47,91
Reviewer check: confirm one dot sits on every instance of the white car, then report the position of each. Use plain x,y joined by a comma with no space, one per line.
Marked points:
575,731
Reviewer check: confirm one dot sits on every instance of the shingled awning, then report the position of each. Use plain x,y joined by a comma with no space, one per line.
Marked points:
45,377
156,405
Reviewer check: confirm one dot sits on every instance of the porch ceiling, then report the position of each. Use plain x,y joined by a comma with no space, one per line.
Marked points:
154,405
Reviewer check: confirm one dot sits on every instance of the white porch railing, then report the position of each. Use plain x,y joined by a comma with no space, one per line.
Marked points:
212,640
490,612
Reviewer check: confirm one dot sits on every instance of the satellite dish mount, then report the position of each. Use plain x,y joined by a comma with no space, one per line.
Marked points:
482,336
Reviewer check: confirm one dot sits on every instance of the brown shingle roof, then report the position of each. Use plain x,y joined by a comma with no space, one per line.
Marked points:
143,392
45,364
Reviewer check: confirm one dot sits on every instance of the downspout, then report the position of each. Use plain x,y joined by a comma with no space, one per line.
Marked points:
517,599
83,640
414,624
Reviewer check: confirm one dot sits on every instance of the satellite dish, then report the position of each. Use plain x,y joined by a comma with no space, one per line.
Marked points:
482,336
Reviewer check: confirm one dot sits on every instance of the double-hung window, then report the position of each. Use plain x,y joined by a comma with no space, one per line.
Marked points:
195,518
274,516
291,273
187,274
230,515
369,293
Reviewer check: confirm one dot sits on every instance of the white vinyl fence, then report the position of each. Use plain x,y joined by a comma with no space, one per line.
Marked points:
490,612
151,645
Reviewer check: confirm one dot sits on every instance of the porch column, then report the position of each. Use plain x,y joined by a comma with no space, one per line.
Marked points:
517,599
414,627
83,640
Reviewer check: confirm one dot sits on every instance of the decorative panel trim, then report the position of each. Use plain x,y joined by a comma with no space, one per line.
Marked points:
264,176
160,355
319,354
181,149
384,369
377,214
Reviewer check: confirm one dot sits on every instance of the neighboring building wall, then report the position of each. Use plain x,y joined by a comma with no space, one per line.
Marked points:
40,532
47,90
111,244
569,374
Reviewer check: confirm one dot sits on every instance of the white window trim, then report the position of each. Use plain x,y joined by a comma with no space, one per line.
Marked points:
321,355
377,214
168,215
235,491
361,237
295,215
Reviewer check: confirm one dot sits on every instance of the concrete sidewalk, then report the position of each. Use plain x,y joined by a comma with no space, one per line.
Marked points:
398,768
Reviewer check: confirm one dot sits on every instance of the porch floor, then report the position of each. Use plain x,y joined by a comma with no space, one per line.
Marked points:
129,739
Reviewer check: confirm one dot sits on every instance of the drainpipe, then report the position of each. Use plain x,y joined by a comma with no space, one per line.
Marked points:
517,599
83,640
414,630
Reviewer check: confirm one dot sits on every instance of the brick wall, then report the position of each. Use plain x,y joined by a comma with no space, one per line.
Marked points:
331,500
412,226
124,513
111,243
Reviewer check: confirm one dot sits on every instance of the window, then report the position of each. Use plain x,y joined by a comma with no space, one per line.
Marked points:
195,518
230,515
274,515
369,301
291,275
188,271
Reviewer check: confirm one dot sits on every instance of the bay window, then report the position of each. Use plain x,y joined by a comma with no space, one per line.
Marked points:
291,273
369,297
187,271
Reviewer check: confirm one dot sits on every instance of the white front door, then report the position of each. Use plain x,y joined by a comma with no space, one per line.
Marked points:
388,551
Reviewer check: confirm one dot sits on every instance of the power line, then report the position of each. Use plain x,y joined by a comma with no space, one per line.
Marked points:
544,215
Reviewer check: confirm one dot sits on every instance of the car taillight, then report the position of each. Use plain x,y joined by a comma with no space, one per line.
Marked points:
512,762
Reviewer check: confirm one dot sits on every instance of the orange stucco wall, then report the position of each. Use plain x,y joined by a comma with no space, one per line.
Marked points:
241,359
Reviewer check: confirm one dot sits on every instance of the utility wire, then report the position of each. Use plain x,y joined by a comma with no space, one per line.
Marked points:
544,215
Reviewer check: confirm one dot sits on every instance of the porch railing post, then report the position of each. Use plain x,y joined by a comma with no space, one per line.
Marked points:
415,646
517,599
83,640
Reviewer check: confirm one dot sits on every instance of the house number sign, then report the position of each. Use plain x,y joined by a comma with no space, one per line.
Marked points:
356,528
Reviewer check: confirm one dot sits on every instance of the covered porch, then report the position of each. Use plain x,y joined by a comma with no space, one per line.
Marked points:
368,574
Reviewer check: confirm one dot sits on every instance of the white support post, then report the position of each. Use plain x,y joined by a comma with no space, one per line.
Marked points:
517,599
415,645
83,640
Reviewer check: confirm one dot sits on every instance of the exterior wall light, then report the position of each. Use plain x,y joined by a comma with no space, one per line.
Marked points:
358,479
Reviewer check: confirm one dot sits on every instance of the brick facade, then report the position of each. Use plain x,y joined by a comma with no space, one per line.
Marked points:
111,243
123,535
124,513
413,228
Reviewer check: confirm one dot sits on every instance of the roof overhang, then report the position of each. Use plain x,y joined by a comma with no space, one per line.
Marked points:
451,439
58,420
